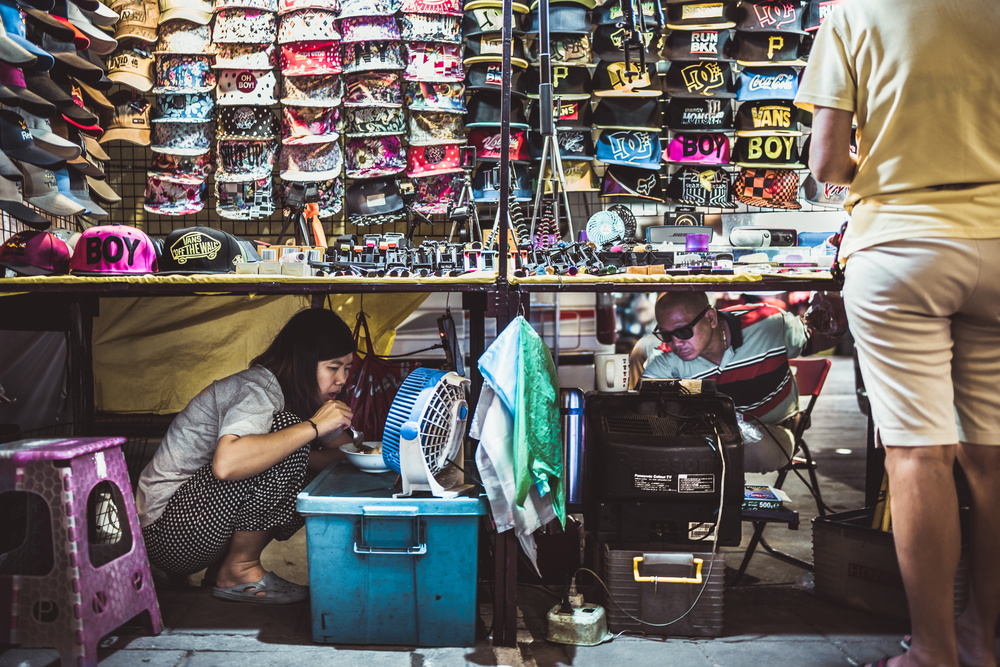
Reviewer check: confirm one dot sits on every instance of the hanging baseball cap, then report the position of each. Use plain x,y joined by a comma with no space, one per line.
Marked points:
311,125
103,191
817,12
200,249
192,11
41,189
251,199
430,128
311,162
244,87
487,76
8,169
771,16
376,201
130,121
245,26
574,145
700,79
489,148
184,108
173,194
46,139
425,28
184,37
374,157
754,49
91,149
183,74
701,114
629,147
488,48
767,83
34,253
768,188
138,19
431,160
182,138
567,114
310,59
563,18
781,151
433,61
13,53
698,148
245,56
568,83
617,79
767,117
373,89
628,113
621,181
352,8
12,203
113,250
246,122
368,56
578,176
826,195
484,110
488,20
244,159
319,24
17,93
610,41
18,144
431,96
701,186
73,184
132,67
486,182
712,15
101,42
683,45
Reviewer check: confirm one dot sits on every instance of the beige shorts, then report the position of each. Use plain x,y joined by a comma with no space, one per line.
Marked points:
925,314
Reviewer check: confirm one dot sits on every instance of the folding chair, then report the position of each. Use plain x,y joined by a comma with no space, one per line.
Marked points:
810,375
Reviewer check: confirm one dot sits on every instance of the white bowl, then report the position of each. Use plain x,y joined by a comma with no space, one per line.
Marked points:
372,463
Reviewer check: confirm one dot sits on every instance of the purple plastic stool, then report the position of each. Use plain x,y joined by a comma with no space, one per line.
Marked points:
90,588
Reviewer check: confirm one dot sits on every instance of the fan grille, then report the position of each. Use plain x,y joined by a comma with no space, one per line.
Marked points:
425,398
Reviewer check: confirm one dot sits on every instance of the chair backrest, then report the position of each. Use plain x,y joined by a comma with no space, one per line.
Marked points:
810,375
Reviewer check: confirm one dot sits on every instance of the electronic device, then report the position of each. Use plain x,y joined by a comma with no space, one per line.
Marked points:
685,217
655,463
657,234
455,360
761,237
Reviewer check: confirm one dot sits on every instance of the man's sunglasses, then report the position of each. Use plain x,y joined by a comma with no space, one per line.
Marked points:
681,333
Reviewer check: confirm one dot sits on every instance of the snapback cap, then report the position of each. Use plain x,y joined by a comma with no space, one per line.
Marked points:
574,145
826,195
113,250
610,40
568,83
200,249
715,15
700,113
311,162
682,45
312,91
816,13
246,122
486,182
567,114
619,79
35,253
487,76
173,194
374,121
700,79
485,107
698,148
767,118
373,89
771,16
375,157
754,49
246,87
629,147
489,147
436,96
432,160
579,177
780,151
701,186
767,83
379,196
12,203
563,19
433,61
632,182
768,188
428,128
628,113
310,125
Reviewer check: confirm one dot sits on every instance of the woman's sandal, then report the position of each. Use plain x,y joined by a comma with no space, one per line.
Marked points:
275,591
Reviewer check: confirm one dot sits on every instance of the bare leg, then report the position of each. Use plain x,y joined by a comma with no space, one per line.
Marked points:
926,532
242,563
976,626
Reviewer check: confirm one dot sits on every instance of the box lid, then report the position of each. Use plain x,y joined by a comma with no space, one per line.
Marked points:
343,489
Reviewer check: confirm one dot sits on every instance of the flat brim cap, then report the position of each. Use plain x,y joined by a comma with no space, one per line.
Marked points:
424,28
488,76
484,110
438,96
373,89
563,18
712,15
432,7
628,113
767,117
621,181
564,49
369,28
616,79
432,160
823,194
487,20
488,47
768,188
319,24
683,45
429,128
574,145
304,91
199,249
374,197
171,194
710,148
103,191
12,203
777,151
247,122
568,83
352,8
700,79
701,186
701,114
817,12
246,199
611,12
373,157
752,49
771,16
767,83
486,141
373,121
629,147
517,6
433,61
567,114
18,144
371,56
486,182
35,253
610,40
312,162
578,176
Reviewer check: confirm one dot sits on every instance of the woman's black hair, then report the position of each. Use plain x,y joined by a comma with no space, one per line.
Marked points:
311,336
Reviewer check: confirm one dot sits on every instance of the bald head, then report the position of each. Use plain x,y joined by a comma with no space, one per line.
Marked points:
690,303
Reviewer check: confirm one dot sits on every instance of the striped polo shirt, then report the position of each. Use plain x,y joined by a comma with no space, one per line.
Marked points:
754,371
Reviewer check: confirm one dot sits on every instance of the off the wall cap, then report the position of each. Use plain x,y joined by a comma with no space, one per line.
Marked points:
701,186
373,89
139,19
431,96
767,83
630,148
700,113
771,16
618,79
568,83
628,113
485,107
113,250
700,79
34,253
752,49
173,194
780,151
817,12
698,148
374,157
682,45
200,249
132,67
714,15
130,121
250,199
767,117
768,188
12,203
317,91
621,181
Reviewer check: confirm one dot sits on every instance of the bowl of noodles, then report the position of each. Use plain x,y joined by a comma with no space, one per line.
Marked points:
366,456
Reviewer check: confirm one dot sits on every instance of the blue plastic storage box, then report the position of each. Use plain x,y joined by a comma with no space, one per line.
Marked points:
389,571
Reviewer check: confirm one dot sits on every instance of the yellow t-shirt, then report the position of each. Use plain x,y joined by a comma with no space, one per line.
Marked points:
923,80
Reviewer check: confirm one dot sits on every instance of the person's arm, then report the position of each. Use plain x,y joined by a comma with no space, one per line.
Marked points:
830,157
329,452
826,322
239,457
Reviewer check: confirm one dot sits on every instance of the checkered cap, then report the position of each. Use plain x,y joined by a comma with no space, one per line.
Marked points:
768,188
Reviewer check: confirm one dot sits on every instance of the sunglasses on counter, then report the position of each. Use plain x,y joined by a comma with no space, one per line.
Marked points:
681,333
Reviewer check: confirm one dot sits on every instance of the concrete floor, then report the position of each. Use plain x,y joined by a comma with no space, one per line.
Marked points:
773,617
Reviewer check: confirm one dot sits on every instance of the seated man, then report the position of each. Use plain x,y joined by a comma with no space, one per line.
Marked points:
745,349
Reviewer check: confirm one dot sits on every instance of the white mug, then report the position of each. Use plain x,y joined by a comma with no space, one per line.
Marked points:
611,372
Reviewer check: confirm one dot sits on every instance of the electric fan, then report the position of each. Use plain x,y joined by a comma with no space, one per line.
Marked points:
424,430
605,227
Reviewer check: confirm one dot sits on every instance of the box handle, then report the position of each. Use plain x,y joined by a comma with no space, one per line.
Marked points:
668,559
417,550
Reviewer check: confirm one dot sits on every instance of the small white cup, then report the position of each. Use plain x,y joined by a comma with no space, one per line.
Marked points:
611,372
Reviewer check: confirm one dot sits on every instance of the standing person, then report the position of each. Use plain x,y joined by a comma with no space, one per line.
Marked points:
920,78
223,482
